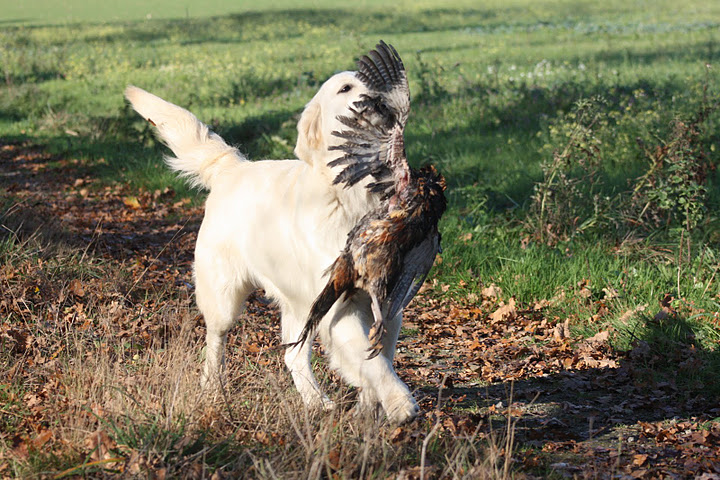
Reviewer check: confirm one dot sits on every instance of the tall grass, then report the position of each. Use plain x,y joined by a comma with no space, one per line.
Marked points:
117,407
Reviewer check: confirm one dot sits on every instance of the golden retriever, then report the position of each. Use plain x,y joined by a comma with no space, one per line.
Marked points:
278,225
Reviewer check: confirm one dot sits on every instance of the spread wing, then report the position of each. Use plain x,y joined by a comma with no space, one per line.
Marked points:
374,143
416,265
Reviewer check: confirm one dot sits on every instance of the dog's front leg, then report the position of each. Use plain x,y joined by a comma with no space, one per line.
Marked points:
346,338
368,399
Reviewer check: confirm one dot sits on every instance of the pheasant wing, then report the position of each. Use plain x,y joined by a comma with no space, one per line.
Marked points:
373,141
416,265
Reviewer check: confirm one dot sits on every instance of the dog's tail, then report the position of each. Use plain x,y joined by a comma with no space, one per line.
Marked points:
200,154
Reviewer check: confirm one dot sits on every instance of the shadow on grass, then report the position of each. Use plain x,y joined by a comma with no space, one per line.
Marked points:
15,21
124,148
278,25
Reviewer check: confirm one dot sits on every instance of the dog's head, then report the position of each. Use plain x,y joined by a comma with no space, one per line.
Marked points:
319,119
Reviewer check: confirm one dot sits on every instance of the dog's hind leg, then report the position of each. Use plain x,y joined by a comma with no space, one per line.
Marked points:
220,303
297,359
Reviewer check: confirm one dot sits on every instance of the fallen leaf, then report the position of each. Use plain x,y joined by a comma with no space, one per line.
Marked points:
76,288
132,202
562,330
334,459
600,337
491,292
700,437
625,317
136,463
506,311
262,437
398,435
100,445
42,438
539,305
610,293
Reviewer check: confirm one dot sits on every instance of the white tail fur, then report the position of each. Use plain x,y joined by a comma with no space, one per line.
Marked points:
200,154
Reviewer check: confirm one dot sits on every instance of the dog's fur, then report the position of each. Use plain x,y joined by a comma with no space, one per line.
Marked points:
278,225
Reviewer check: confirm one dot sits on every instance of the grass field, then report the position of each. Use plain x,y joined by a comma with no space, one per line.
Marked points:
580,144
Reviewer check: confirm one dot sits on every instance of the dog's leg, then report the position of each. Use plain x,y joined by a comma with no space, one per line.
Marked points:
367,399
220,303
347,340
297,359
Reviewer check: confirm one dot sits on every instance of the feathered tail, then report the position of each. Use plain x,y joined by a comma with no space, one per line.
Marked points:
341,282
200,154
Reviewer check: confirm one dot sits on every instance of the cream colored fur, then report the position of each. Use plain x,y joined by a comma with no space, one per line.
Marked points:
278,225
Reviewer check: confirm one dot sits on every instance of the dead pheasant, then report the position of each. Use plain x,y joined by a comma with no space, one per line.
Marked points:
390,251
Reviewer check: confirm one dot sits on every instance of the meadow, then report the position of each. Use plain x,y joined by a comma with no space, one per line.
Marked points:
580,144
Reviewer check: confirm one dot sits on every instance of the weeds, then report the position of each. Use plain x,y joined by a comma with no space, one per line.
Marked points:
572,197
428,78
673,191
566,201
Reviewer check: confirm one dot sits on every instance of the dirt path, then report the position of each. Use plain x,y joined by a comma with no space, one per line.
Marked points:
580,408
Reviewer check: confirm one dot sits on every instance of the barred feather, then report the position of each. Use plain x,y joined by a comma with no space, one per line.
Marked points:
374,139
382,69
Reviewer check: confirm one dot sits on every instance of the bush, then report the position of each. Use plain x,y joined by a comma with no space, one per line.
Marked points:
574,195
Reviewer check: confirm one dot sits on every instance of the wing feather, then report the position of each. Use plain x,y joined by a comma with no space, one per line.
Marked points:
374,144
416,265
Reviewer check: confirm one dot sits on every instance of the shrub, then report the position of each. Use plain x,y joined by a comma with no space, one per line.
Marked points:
672,192
565,200
669,193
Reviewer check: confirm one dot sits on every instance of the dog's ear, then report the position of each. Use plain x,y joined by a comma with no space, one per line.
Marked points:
310,135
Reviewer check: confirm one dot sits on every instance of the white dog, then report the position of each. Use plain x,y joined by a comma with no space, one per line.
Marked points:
278,225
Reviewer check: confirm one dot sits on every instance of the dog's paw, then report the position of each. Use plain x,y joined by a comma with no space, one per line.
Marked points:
315,400
326,404
364,413
368,406
367,399
401,408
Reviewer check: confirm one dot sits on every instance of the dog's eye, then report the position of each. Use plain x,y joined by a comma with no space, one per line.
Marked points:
346,88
